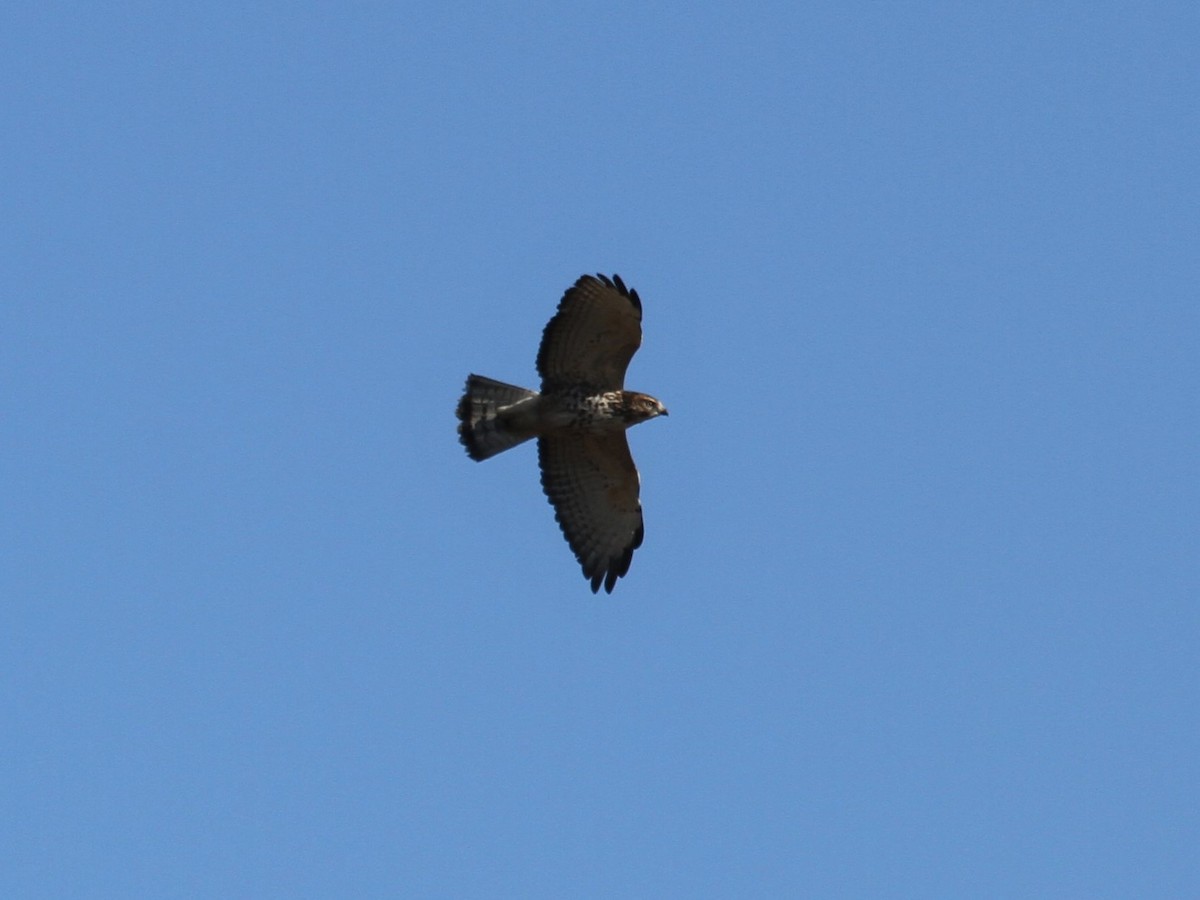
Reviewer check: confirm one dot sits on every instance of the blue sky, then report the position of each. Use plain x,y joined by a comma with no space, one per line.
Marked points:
916,613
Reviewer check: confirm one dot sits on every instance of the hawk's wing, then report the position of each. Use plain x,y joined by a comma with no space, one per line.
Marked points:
592,482
592,337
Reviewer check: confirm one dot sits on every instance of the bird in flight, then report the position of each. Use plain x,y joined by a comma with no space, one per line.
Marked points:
579,419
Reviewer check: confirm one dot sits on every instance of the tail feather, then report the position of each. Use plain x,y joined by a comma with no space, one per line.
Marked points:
484,428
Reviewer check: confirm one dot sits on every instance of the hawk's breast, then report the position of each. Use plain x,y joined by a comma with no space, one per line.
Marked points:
582,409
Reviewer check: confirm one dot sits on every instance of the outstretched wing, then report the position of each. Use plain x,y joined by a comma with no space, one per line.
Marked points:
592,337
592,482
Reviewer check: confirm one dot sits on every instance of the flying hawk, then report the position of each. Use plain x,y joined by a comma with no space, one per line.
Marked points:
579,419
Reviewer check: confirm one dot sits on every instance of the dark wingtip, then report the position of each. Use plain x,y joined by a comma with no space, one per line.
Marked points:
617,568
616,282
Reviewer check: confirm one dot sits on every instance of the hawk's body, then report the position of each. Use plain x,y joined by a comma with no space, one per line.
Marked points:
579,419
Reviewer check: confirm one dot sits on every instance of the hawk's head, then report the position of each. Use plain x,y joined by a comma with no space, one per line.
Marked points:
637,407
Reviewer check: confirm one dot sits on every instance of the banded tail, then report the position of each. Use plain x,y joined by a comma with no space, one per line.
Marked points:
486,420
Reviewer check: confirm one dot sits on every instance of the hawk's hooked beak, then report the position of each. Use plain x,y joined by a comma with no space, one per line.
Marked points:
662,410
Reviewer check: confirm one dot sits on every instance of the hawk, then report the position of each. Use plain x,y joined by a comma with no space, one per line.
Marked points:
579,419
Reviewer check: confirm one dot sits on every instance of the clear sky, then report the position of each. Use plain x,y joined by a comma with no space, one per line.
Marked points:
917,610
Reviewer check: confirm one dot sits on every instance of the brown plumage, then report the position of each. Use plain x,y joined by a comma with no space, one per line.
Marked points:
579,418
